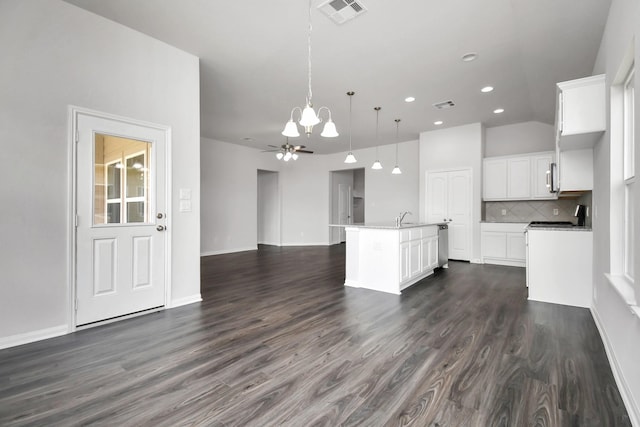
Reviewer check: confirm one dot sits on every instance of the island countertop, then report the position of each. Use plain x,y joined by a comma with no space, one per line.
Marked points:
386,225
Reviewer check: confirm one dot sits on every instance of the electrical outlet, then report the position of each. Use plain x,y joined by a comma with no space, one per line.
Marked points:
555,211
504,211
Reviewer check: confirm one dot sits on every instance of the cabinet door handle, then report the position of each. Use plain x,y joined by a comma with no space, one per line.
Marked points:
548,179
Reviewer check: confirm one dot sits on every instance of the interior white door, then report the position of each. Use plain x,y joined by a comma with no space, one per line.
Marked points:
345,208
448,199
436,197
459,209
121,218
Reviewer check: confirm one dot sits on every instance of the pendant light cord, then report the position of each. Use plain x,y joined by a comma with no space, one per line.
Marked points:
377,126
309,95
397,127
350,99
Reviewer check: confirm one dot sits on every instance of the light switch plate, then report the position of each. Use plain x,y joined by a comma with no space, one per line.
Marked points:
555,211
185,194
185,205
504,211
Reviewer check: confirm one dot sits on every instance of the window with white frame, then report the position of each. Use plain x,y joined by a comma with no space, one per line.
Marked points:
629,173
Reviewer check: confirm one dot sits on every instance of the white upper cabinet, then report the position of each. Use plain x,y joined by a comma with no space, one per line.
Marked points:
576,170
581,113
495,179
517,177
540,176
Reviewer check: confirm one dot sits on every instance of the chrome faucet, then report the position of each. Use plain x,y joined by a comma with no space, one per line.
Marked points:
400,217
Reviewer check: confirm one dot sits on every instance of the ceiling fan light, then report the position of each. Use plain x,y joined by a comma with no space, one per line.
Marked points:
350,158
294,156
287,156
309,117
290,129
329,130
396,171
377,165
279,156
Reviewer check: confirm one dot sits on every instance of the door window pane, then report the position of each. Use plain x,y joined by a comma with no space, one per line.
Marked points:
113,213
135,211
121,180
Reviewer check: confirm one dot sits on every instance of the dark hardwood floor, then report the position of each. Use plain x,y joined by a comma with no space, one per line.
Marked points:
278,340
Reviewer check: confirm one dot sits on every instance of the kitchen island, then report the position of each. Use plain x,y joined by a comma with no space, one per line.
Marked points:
389,258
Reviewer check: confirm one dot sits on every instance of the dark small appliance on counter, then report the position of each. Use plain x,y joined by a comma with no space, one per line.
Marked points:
581,214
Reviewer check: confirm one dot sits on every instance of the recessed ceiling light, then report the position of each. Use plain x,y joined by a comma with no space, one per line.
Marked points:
409,99
438,122
486,89
468,57
498,110
248,138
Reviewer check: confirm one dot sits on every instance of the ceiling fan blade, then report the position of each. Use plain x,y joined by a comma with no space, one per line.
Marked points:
274,146
304,151
299,147
269,151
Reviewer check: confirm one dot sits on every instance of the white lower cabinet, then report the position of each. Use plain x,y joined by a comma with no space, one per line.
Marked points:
429,253
418,253
559,267
503,243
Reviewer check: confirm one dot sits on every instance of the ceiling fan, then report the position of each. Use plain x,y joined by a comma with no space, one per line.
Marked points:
287,151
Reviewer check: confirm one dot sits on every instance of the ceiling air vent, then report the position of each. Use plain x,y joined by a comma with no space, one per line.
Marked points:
341,11
444,105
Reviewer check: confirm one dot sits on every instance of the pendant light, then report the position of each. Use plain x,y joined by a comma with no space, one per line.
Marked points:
396,170
308,117
377,165
350,157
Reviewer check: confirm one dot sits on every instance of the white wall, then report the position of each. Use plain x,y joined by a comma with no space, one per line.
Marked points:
268,208
55,54
519,138
619,327
229,192
458,147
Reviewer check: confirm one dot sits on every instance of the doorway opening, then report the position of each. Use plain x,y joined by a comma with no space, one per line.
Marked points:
347,203
268,230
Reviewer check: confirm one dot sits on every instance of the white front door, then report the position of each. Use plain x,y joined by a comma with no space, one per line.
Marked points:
121,218
448,199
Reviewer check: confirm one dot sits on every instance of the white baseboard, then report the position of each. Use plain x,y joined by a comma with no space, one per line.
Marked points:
307,244
29,337
475,261
229,251
185,300
632,409
507,263
269,243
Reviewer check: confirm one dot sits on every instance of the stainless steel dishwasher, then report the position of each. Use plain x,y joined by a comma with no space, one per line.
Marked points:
443,245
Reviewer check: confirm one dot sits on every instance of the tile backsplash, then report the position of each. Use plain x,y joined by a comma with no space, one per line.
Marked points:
536,210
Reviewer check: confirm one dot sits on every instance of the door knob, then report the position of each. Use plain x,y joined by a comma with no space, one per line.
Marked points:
160,216
161,228
450,220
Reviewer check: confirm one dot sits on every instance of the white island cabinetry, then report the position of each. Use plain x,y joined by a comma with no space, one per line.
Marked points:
390,259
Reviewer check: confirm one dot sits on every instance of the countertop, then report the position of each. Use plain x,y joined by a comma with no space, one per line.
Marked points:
505,222
386,225
556,228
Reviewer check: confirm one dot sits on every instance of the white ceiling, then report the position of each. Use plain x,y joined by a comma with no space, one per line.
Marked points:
253,61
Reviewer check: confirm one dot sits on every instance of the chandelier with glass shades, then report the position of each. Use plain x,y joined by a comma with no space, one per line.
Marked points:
308,116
